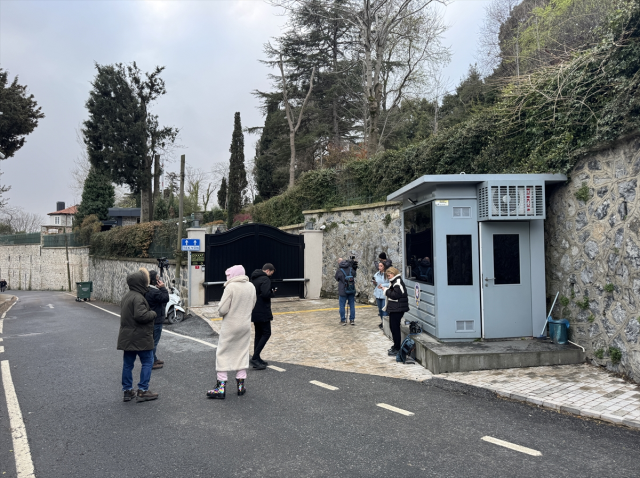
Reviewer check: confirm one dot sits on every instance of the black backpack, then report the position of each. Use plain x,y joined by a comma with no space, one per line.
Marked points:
408,347
349,282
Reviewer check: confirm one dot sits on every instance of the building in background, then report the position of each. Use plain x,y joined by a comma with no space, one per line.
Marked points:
61,220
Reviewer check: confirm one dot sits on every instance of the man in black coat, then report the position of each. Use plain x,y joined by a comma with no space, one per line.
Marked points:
157,297
262,315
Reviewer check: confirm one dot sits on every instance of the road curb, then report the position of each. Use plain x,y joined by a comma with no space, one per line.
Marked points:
6,305
455,386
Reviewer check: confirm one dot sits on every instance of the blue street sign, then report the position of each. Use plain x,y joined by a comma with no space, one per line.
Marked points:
191,245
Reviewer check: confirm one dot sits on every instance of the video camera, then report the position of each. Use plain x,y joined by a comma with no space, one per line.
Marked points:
163,263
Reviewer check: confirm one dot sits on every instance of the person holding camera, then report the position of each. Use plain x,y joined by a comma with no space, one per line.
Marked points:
397,305
3,285
262,315
157,297
346,278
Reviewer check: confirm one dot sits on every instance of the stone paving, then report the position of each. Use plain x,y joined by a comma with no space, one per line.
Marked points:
581,389
309,333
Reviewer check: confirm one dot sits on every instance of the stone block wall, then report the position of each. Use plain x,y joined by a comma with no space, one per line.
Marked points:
109,276
593,255
361,231
33,267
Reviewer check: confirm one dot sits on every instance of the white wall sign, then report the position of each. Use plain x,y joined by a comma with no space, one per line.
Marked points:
441,202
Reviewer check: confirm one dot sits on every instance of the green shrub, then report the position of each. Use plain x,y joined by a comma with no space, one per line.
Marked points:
134,240
583,194
609,288
599,353
564,301
387,220
591,319
615,355
90,225
584,303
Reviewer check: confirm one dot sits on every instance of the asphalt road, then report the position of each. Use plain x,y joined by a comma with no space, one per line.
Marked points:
66,372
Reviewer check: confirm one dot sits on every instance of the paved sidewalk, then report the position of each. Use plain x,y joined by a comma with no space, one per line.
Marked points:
308,332
579,389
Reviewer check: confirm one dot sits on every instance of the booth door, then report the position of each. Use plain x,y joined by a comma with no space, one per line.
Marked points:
506,279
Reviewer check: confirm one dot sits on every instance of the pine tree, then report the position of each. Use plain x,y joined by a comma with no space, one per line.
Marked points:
222,194
237,173
160,209
98,196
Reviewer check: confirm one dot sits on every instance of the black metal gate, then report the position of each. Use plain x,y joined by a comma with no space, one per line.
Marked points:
252,246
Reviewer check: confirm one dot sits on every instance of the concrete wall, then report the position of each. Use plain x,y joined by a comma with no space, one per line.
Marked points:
594,245
33,267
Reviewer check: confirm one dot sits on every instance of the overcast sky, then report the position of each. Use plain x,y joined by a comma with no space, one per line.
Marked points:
210,48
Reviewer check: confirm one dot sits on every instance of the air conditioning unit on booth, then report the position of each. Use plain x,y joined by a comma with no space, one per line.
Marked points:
509,200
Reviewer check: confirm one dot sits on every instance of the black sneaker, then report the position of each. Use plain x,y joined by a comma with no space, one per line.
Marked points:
344,322
353,322
129,395
381,326
263,362
257,364
392,352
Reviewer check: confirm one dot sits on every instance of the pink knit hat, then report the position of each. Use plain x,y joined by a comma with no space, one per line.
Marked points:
234,271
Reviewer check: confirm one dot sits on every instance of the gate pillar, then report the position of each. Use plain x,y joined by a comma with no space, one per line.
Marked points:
196,288
313,262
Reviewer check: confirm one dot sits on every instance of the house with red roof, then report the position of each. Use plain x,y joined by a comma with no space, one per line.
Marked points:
61,220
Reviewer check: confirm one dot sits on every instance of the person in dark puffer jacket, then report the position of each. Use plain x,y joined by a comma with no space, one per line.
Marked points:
136,336
261,315
157,297
397,305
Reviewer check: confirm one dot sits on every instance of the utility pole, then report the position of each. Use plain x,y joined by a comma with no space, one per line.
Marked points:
66,246
180,218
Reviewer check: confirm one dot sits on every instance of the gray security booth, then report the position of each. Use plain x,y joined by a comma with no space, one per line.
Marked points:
474,259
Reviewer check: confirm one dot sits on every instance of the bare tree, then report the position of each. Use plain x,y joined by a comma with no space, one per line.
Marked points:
382,26
20,221
196,179
294,125
489,54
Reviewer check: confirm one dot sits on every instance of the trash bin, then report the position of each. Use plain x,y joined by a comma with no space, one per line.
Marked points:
84,290
558,330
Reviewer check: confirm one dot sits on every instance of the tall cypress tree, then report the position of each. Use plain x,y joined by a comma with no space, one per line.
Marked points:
98,195
237,173
222,194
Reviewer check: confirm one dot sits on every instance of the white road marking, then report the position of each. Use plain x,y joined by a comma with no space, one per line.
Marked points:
324,385
50,306
395,409
1,349
164,331
5,314
272,367
21,452
512,446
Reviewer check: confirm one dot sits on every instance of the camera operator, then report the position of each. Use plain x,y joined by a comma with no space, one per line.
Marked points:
346,277
157,297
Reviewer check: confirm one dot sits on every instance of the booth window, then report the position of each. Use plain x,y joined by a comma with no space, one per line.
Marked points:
506,259
459,262
418,229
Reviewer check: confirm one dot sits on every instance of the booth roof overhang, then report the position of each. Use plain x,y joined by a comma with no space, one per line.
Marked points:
431,180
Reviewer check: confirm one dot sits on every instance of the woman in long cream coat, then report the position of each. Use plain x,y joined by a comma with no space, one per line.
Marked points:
235,307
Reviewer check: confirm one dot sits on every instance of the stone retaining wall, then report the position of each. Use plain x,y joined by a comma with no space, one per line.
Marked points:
33,267
593,255
109,276
361,231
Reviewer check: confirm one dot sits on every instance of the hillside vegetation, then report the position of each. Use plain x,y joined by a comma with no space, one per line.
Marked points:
541,121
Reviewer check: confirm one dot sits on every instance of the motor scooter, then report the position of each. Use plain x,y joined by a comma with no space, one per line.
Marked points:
174,311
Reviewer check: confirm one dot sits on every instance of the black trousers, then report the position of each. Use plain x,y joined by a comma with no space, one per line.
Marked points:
394,325
263,332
